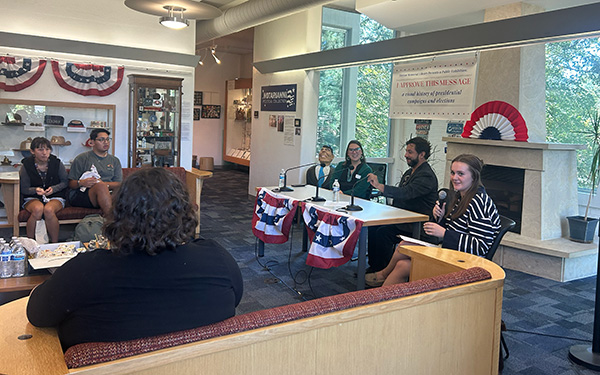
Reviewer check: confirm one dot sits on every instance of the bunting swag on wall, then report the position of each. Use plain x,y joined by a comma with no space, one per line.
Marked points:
17,73
87,79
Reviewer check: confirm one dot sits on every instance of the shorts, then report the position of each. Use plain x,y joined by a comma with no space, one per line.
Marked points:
78,198
61,200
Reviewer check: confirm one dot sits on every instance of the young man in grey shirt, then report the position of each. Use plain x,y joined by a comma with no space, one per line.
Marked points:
93,191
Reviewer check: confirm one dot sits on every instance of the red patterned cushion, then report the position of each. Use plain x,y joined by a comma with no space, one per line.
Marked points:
97,352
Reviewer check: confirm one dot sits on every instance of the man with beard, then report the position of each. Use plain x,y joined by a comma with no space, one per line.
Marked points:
417,191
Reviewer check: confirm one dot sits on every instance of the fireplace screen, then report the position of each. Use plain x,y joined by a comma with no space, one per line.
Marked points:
505,186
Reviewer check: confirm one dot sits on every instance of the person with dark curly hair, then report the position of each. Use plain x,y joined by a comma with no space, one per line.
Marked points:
155,279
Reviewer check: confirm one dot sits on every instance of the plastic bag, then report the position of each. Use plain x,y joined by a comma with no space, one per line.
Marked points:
41,233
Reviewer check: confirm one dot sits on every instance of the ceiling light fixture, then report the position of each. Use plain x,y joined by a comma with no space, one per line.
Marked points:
212,52
172,21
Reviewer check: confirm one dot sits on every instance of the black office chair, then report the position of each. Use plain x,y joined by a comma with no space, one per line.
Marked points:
506,224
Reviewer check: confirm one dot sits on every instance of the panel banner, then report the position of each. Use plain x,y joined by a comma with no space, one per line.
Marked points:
278,98
439,90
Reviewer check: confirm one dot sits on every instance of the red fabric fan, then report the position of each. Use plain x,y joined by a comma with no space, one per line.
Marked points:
496,120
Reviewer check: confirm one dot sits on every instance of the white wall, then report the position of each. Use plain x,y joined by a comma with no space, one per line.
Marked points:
109,22
295,34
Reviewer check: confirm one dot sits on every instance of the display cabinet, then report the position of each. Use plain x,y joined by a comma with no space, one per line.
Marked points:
238,121
155,120
66,125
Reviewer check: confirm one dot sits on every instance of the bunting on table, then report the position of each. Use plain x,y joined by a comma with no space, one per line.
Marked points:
17,73
88,79
333,236
273,216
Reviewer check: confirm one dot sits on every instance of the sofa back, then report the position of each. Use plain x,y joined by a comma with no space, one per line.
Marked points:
92,353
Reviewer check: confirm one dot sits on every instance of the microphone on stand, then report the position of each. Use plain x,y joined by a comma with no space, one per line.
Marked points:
316,198
352,206
442,198
285,187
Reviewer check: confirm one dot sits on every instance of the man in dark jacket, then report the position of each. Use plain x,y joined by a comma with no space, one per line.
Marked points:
417,191
321,174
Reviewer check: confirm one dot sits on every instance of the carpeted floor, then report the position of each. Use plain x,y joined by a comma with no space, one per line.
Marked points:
544,317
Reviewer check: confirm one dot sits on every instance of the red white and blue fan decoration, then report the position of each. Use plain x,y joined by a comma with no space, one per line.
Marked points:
17,73
87,79
496,120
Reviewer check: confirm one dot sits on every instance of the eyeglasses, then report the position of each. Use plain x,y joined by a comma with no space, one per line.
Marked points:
354,149
103,139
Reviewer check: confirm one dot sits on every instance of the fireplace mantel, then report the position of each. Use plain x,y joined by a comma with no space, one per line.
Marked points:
514,144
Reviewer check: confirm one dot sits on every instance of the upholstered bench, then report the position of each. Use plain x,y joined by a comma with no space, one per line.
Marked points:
72,215
445,321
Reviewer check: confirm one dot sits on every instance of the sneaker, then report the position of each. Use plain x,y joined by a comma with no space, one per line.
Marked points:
371,280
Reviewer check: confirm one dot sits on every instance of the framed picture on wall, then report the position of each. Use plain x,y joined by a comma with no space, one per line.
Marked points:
198,98
197,112
211,111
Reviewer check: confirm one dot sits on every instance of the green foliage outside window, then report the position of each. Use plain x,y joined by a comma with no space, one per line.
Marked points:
572,97
372,95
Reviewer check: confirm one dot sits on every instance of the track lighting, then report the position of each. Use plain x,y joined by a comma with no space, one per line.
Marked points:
212,52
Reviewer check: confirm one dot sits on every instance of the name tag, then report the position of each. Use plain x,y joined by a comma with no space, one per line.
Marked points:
358,177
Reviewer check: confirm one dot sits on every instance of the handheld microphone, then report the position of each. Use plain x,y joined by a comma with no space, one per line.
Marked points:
442,198
285,187
355,207
316,198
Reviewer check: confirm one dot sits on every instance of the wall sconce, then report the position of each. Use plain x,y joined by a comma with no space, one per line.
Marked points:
212,52
172,21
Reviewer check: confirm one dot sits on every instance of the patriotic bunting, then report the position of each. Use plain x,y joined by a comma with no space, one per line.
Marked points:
87,79
273,216
333,236
17,73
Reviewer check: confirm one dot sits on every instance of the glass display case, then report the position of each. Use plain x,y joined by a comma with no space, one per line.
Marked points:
238,121
155,120
66,125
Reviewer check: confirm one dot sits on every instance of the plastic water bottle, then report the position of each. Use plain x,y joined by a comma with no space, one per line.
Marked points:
281,178
18,260
336,191
5,262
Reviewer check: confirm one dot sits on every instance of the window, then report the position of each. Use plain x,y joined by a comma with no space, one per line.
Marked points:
353,102
572,95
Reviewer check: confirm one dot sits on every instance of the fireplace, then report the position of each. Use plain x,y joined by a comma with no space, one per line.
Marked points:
505,186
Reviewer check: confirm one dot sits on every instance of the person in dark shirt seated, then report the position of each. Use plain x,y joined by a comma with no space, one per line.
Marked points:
416,192
353,172
155,279
318,175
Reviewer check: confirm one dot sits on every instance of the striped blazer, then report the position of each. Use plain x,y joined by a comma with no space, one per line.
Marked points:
475,230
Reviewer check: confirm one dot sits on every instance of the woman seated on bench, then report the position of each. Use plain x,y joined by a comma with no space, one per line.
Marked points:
470,225
155,279
43,180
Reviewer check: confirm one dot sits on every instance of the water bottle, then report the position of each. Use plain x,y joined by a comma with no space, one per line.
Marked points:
281,178
336,191
5,262
18,260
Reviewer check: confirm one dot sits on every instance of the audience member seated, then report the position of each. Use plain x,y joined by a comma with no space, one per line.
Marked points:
417,192
43,180
94,174
319,175
155,279
353,169
470,225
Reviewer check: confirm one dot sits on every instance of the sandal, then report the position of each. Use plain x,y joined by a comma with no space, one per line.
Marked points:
371,279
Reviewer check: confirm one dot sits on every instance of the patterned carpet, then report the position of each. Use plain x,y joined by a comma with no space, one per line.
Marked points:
545,318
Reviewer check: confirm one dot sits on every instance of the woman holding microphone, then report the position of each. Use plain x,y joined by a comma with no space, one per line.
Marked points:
470,225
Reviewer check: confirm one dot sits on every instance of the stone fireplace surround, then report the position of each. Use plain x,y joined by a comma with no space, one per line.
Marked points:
549,196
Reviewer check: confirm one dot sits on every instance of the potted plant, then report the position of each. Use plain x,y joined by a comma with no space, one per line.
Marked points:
582,228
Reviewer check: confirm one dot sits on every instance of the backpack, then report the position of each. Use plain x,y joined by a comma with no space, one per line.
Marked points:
88,228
